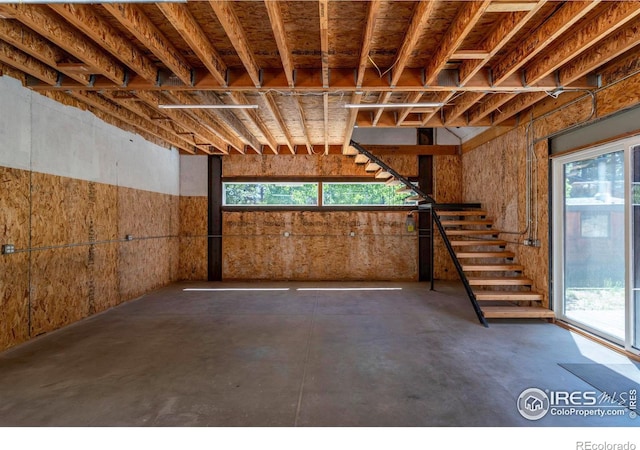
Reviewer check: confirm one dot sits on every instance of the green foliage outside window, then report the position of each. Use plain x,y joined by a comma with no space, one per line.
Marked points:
362,194
271,194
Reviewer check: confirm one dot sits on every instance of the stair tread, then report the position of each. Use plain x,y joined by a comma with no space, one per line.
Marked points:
361,159
478,242
463,232
492,267
451,223
502,254
469,212
493,295
499,281
517,312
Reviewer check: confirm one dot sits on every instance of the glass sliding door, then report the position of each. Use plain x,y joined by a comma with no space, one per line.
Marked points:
635,244
591,241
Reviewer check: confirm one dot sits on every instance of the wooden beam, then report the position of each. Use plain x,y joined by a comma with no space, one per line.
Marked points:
303,123
490,104
356,97
154,99
470,54
467,17
48,24
96,100
616,44
148,113
134,19
506,7
367,39
414,149
383,98
616,15
561,20
231,25
277,26
253,117
325,109
388,120
308,80
22,38
28,64
442,97
230,119
272,106
323,10
416,26
411,98
504,31
85,18
189,28
462,104
208,120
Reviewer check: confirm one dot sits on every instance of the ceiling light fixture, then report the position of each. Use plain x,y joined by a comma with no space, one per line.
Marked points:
208,106
393,105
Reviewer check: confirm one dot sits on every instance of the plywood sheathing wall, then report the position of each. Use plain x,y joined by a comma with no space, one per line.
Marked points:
193,238
66,278
320,245
494,172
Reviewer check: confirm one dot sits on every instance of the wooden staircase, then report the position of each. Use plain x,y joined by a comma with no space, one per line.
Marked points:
496,280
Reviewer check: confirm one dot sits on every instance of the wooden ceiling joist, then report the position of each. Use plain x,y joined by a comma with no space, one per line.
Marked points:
274,110
208,119
231,120
277,26
85,18
416,26
567,15
468,16
28,64
48,24
372,16
303,124
21,37
351,121
252,116
184,22
134,19
323,13
232,26
616,15
485,61
154,99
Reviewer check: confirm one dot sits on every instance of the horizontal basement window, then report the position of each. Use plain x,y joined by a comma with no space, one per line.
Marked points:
314,194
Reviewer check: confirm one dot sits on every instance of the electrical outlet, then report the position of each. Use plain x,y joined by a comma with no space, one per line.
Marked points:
8,249
526,242
129,237
535,243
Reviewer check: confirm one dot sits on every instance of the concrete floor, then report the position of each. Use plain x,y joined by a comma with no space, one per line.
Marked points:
409,357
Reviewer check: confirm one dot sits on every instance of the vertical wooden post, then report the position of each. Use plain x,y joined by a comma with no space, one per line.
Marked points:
214,251
425,232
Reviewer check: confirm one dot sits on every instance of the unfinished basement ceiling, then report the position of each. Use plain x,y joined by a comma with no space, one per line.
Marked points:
481,63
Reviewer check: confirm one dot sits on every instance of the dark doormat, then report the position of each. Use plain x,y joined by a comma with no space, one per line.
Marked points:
615,380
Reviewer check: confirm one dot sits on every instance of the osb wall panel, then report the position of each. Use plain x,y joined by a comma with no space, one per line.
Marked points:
308,165
193,240
14,207
144,265
75,278
59,288
447,183
61,210
14,300
319,246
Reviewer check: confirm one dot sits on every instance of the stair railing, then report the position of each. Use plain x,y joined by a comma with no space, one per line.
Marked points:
431,204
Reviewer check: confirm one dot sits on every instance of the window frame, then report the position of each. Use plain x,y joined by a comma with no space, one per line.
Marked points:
320,205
